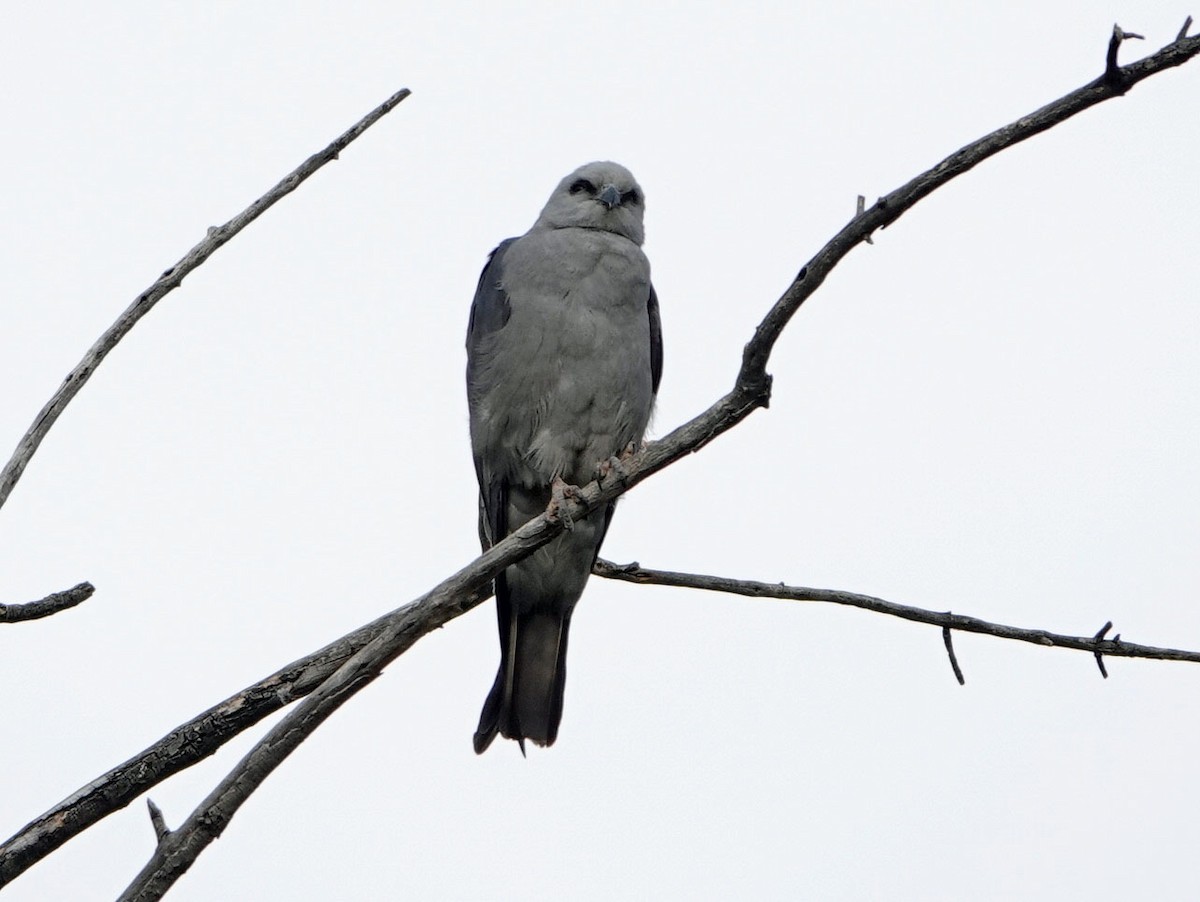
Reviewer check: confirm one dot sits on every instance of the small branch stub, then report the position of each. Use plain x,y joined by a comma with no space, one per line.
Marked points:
859,211
156,819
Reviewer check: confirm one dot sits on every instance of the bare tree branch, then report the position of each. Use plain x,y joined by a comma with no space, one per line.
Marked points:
166,283
51,604
752,390
1096,644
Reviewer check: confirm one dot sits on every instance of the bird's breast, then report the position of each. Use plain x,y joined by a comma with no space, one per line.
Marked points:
576,358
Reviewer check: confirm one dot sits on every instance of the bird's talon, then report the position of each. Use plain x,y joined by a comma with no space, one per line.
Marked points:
560,494
618,463
613,466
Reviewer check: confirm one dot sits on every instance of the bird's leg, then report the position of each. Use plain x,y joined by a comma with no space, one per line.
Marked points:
560,494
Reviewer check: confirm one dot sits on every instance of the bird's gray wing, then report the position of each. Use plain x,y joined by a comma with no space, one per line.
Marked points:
490,312
656,348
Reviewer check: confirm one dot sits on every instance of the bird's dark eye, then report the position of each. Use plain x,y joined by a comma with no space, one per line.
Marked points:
631,197
582,185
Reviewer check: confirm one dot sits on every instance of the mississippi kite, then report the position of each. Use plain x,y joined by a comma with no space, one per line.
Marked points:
564,356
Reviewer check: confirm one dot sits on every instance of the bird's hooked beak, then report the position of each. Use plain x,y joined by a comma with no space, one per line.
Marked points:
609,196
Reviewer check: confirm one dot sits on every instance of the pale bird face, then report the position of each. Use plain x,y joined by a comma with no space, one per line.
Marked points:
602,196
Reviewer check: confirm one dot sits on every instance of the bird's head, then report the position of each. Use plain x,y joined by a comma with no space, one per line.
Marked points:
602,196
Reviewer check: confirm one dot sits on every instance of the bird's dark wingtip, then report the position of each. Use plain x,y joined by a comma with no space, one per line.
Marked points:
482,740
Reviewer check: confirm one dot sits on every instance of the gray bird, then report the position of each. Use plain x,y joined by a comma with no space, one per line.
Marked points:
564,355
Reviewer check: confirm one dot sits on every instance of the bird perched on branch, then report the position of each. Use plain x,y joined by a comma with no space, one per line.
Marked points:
564,356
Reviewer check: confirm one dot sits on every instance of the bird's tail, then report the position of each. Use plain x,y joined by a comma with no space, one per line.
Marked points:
526,700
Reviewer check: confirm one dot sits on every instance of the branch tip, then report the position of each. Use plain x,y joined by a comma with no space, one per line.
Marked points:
161,832
52,604
1187,23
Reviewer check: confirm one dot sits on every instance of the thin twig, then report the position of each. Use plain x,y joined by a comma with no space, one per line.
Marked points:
45,607
1099,657
1095,644
751,390
1187,23
948,640
167,282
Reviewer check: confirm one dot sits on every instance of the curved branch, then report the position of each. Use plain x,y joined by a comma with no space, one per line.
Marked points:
45,607
1095,644
751,390
164,285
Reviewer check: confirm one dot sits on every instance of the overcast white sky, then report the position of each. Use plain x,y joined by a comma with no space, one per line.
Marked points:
993,410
